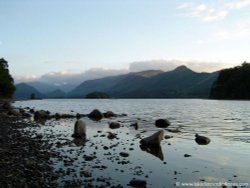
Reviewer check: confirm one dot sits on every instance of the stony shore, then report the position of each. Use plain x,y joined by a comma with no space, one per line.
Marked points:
24,160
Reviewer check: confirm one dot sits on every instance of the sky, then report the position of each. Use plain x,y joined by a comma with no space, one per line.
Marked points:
41,37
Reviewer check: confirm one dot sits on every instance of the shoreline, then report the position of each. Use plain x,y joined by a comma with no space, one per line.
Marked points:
25,161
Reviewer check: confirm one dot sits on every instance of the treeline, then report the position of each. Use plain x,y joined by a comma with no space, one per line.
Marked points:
233,83
7,87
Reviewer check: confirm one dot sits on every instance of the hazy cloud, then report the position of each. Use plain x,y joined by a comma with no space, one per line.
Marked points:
238,4
67,77
166,65
203,11
209,13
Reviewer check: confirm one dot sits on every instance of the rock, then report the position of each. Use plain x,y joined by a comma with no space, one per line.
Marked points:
168,136
78,116
57,116
138,183
79,129
26,115
95,115
111,135
6,105
22,111
124,154
135,125
201,140
89,158
173,130
153,140
32,111
14,112
41,114
114,125
162,123
109,114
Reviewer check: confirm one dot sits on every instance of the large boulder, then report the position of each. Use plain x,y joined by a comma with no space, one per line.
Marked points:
202,140
153,140
79,129
95,115
162,123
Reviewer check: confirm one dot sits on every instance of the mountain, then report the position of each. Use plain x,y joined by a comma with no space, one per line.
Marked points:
233,83
24,91
108,83
56,94
47,87
89,86
178,83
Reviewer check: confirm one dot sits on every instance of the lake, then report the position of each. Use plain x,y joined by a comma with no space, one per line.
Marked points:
224,161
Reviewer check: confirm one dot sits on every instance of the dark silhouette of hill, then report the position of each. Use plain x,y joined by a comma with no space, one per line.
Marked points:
24,91
233,83
179,83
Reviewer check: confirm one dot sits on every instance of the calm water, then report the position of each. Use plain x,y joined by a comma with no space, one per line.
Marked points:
225,159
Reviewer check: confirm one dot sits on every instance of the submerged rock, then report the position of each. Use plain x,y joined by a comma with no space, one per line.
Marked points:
153,140
79,129
202,140
95,115
162,123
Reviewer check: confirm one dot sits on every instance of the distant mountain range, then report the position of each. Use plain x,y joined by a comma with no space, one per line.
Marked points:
178,83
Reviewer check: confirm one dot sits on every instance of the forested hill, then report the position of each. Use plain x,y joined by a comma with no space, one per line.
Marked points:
233,83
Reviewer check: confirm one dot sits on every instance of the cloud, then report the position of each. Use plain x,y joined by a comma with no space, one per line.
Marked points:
166,65
209,13
203,12
239,30
238,4
60,78
67,77
29,78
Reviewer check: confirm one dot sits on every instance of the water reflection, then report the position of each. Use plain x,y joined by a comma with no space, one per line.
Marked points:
154,150
79,141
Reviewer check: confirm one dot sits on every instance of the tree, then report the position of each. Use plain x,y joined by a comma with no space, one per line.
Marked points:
7,87
233,83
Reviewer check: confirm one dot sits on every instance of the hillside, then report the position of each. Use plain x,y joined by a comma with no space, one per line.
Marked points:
179,83
55,94
233,83
24,91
